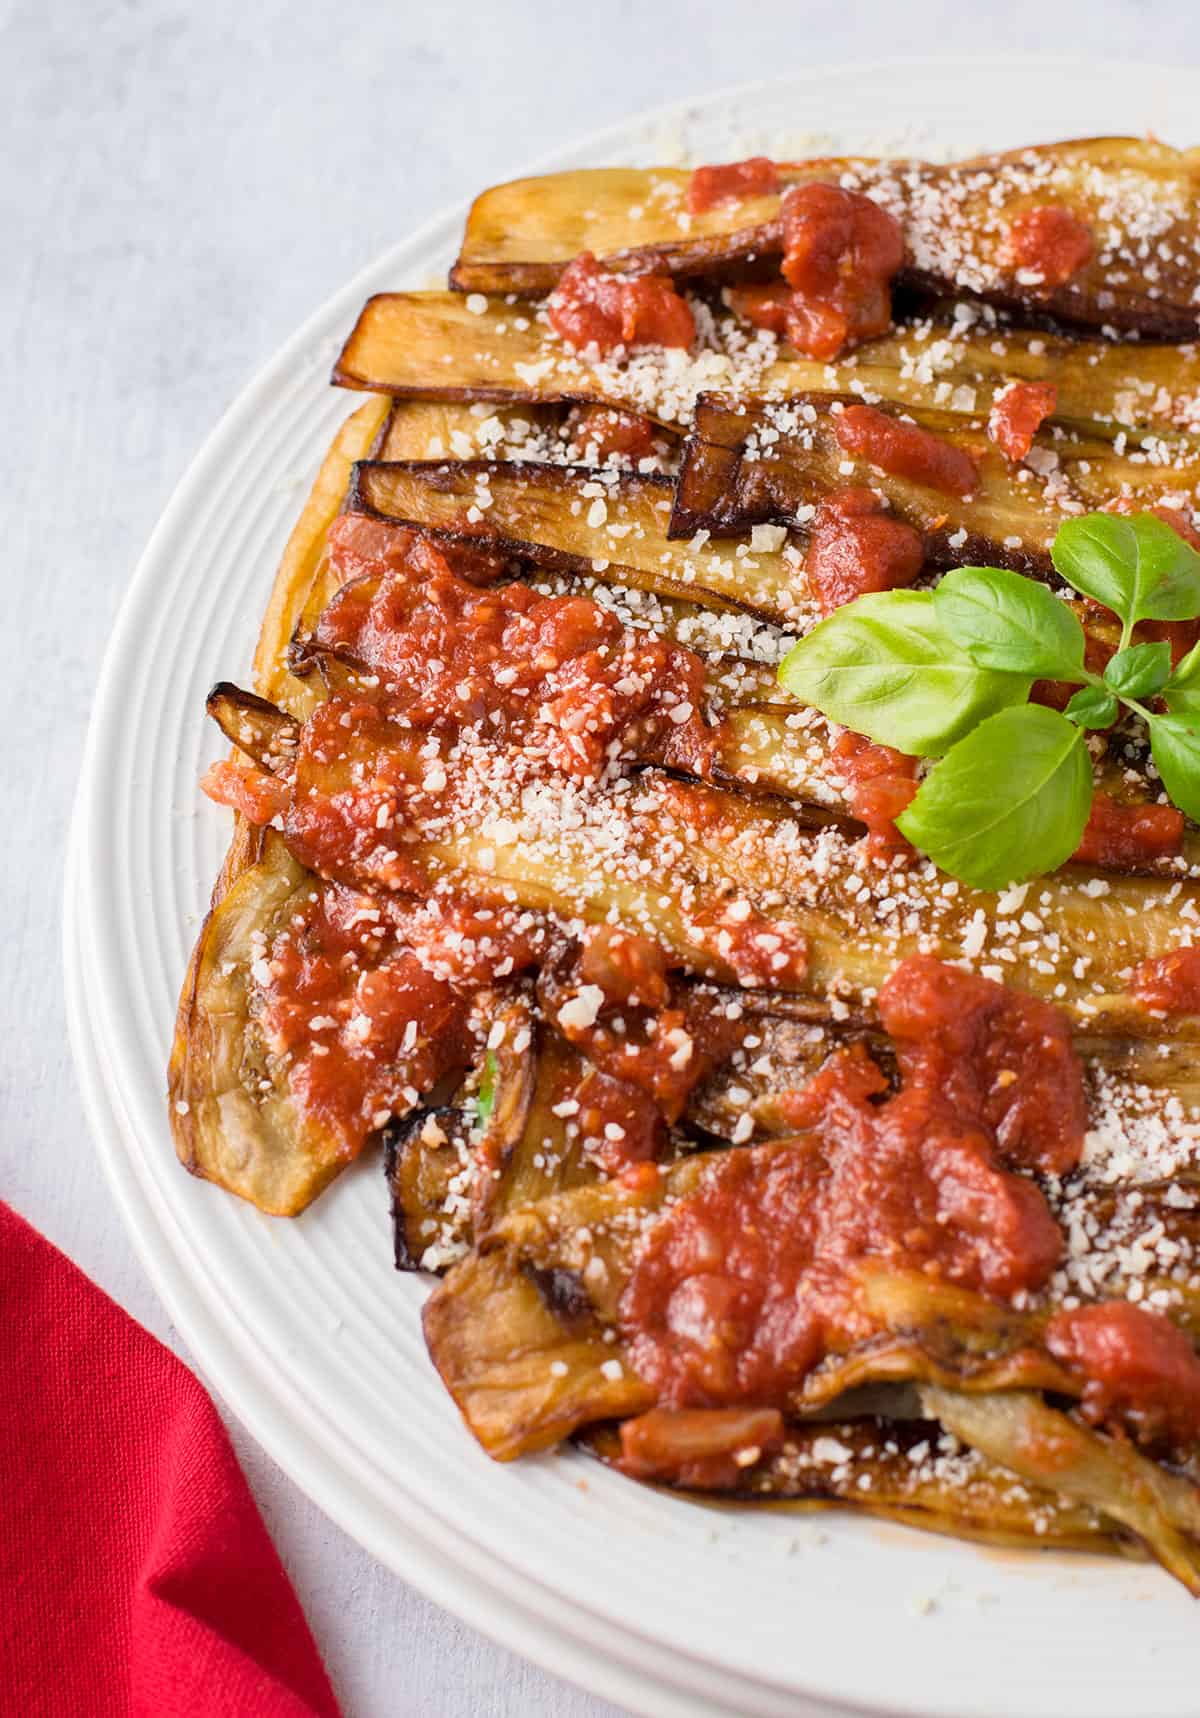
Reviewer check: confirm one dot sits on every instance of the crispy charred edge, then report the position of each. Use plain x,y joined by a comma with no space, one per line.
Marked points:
255,726
725,248
985,1506
410,1169
442,476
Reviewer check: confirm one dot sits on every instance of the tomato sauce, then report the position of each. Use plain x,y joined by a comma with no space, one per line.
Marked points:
592,308
731,183
1018,412
364,1025
1138,1370
993,1053
855,546
903,450
628,968
757,949
1169,983
1048,241
359,545
841,252
881,784
744,1285
621,1124
256,794
1124,837
561,674
606,433
702,1449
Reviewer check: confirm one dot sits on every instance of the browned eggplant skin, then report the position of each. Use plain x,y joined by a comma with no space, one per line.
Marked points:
521,236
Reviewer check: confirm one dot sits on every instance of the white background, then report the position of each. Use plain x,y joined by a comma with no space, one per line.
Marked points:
180,186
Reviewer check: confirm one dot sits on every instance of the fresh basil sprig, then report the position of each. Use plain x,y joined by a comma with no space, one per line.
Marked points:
947,674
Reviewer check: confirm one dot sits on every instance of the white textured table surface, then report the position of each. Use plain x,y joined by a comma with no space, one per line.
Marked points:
181,185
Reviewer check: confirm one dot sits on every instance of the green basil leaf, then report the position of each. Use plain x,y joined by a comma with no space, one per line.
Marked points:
882,666
1093,707
1175,746
1181,694
485,1099
1004,621
1140,671
1008,802
1134,564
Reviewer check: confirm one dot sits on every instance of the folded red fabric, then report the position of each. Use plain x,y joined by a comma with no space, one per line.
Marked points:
136,1576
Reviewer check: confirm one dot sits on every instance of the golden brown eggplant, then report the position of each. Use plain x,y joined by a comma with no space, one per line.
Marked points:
773,464
1135,195
427,346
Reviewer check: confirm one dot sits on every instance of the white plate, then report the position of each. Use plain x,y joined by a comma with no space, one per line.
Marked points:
303,1326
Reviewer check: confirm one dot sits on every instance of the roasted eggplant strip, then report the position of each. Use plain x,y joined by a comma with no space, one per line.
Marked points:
894,1468
402,341
429,428
1021,1432
551,516
520,236
302,558
233,1117
255,726
584,1242
745,467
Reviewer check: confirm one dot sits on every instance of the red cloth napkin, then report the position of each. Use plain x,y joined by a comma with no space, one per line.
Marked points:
136,1577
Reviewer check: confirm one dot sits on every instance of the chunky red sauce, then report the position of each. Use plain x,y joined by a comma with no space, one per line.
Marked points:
560,674
1138,1370
1048,241
731,182
881,784
758,950
1018,412
742,1286
258,795
364,1024
1170,982
628,968
701,1449
1126,836
359,545
591,307
856,546
841,252
903,450
603,433
990,1052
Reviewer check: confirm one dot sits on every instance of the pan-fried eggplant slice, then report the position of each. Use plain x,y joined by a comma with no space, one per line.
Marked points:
234,1118
1133,195
1021,1432
905,1470
426,346
671,857
576,520
426,427
774,463
255,726
302,557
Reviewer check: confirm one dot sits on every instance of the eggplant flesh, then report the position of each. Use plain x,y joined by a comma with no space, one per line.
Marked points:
773,464
233,1117
955,218
956,361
